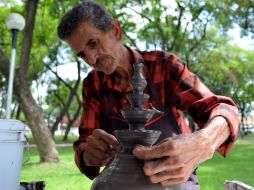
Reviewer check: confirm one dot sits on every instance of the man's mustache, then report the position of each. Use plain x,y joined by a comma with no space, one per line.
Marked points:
102,60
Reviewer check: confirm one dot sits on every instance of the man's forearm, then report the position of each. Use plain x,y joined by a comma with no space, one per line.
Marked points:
185,151
217,131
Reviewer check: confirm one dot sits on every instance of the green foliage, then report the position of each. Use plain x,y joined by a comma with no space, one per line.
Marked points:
58,94
6,8
5,34
195,30
238,12
227,70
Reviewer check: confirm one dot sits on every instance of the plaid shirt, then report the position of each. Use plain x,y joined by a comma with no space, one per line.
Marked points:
177,88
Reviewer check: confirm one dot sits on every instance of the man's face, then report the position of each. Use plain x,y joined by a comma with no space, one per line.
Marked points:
97,48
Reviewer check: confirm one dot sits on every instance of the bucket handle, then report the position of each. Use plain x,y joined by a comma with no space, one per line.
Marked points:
28,151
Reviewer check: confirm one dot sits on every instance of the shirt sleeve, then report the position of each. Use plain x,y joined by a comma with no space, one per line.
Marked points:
89,121
191,95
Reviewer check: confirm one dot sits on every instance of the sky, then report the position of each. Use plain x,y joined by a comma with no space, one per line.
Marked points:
245,42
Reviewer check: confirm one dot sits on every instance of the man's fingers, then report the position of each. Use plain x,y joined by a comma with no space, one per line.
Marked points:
167,148
97,157
180,156
94,143
161,165
103,141
178,176
168,175
98,154
172,175
91,160
100,148
108,138
171,182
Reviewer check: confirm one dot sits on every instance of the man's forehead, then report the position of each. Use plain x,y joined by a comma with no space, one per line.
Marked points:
85,26
81,36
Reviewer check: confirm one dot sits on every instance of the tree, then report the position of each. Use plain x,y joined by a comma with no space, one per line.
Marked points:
65,99
197,32
228,71
194,30
32,111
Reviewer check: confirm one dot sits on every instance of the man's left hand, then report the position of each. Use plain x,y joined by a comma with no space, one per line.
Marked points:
178,157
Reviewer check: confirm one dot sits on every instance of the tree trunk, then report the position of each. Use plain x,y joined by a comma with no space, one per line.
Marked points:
32,111
71,122
67,104
36,122
28,105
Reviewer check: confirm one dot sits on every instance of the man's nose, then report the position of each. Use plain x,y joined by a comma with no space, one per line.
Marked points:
92,57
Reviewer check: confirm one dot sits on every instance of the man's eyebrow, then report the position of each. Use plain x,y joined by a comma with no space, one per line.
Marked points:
79,54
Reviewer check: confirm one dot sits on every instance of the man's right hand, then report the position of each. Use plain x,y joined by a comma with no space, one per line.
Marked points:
100,148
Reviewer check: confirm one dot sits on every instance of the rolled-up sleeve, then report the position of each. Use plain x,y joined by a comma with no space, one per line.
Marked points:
89,121
191,95
229,111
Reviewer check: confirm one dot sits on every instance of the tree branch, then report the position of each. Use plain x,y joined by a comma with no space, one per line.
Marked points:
142,15
59,78
4,64
178,26
28,34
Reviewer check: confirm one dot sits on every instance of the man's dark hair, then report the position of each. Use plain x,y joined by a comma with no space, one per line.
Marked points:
87,11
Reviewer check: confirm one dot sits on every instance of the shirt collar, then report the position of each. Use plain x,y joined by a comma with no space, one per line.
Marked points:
136,55
108,80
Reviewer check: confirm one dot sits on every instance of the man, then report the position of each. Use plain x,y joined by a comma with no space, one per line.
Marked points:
96,37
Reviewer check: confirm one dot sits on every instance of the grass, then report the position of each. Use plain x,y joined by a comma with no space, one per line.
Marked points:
237,166
66,176
62,176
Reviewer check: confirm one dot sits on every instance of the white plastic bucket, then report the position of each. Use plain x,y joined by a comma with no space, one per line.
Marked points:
12,139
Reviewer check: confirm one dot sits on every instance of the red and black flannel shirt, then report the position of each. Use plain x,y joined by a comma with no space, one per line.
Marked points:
177,88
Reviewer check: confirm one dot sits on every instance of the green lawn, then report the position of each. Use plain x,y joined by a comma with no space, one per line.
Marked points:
62,176
239,165
65,176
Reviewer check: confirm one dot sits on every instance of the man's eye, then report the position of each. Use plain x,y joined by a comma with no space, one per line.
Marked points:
93,43
82,55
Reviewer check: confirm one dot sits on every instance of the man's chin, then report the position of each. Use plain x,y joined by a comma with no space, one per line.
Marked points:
106,72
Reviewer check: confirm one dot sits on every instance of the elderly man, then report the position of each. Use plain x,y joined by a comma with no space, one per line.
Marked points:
96,37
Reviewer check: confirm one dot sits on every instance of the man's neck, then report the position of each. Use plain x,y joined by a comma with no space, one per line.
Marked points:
126,70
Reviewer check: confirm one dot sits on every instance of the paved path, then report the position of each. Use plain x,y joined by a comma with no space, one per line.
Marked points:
246,139
57,145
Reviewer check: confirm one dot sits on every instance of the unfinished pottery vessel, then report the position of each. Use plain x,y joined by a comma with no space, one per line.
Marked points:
125,172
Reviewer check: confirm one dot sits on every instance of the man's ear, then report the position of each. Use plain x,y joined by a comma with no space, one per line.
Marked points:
116,29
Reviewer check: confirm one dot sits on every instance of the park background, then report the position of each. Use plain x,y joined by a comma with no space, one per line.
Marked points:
215,39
